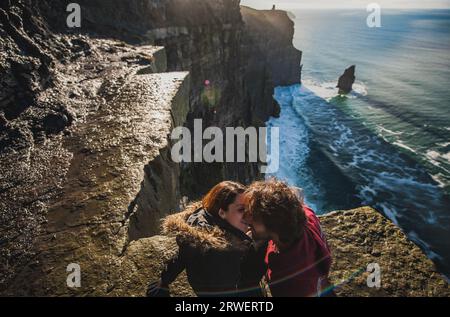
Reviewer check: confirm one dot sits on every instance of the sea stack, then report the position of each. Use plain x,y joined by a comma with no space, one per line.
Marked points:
346,81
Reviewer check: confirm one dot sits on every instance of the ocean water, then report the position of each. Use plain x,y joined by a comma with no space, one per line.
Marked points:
387,144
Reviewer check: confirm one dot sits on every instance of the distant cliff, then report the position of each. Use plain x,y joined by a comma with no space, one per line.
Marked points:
271,33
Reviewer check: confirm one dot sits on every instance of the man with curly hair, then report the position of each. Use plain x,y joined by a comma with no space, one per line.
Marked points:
298,256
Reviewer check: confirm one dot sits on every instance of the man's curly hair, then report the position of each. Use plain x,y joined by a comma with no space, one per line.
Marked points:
278,207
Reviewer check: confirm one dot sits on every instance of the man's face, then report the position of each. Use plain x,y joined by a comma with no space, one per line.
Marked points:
259,230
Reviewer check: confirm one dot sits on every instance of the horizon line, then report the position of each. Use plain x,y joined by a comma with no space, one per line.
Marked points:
348,8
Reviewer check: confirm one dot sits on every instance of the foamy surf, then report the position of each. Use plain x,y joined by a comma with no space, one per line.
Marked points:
328,90
404,146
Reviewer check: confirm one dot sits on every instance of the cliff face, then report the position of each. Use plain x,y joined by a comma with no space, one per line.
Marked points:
242,54
85,119
271,32
77,192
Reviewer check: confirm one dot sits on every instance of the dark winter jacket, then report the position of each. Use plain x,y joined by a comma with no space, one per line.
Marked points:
219,259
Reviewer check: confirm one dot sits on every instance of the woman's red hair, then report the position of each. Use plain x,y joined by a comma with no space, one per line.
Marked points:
221,196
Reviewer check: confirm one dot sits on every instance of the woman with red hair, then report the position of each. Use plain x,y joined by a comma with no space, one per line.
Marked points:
219,257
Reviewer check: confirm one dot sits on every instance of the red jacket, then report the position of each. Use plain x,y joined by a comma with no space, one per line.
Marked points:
297,272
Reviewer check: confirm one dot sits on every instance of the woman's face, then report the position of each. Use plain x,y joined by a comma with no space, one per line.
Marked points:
235,214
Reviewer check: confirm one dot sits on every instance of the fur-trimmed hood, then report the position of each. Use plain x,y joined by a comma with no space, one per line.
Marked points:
193,228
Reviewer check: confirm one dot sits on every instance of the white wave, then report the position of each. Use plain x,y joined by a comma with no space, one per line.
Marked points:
389,211
367,194
383,129
333,149
328,90
425,246
433,155
359,89
345,136
437,158
295,143
324,90
402,145
440,180
392,181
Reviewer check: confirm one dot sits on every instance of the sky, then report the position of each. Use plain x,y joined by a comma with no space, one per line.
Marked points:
333,4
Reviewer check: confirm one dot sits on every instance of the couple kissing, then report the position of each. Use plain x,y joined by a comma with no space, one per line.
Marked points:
238,236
